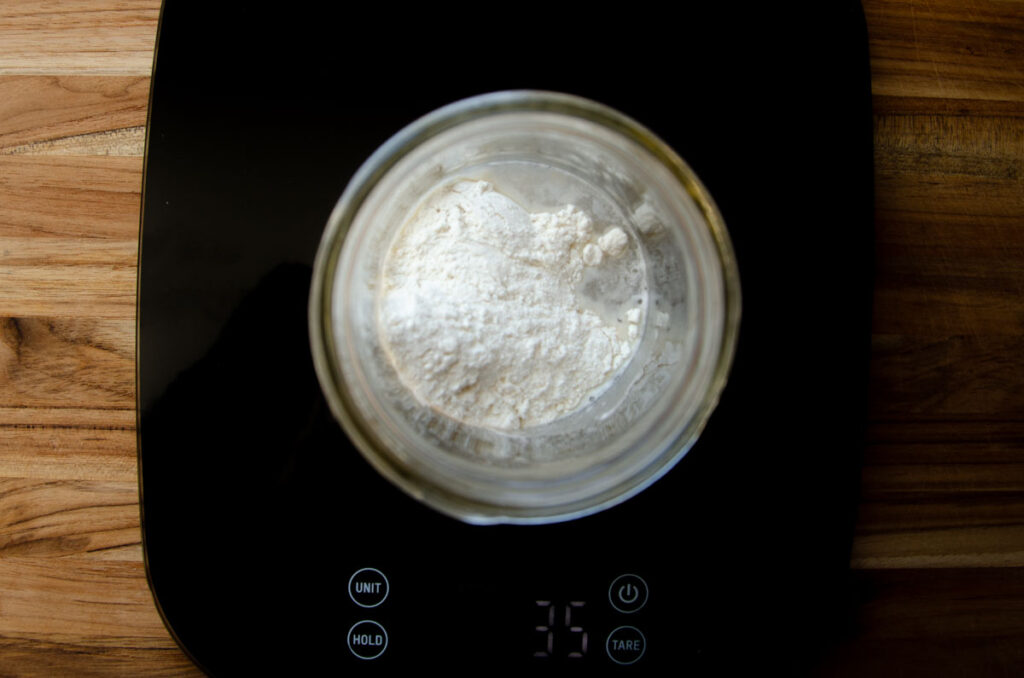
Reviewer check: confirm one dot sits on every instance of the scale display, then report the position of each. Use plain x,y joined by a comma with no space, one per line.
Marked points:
272,547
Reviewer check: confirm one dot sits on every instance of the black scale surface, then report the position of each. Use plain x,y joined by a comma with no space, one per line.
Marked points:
256,509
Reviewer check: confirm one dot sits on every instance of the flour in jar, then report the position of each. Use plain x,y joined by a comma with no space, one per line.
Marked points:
484,314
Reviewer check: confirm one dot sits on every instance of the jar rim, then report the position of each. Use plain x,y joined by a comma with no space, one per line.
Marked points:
321,327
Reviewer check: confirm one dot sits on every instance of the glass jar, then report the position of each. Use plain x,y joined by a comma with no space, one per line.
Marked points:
543,149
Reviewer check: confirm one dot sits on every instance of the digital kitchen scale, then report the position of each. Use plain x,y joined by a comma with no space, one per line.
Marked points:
273,548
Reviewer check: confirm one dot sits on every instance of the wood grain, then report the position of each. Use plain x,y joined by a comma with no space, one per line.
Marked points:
942,494
955,623
81,617
73,115
74,85
939,545
108,37
943,478
946,49
69,517
69,236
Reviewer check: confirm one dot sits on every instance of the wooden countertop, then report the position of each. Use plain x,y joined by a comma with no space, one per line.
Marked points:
939,550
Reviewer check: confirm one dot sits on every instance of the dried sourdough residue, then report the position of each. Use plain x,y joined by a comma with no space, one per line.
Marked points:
481,314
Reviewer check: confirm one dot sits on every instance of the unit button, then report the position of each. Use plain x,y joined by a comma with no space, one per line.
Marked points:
367,639
628,593
368,587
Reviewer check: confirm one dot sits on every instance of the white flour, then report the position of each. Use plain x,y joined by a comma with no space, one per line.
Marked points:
482,314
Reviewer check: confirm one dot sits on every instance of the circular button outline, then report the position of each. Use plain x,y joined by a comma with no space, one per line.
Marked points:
348,639
387,587
608,649
642,589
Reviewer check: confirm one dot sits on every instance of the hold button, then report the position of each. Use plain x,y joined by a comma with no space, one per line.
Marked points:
367,639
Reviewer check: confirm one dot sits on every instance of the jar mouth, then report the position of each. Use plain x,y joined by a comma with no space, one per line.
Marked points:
602,454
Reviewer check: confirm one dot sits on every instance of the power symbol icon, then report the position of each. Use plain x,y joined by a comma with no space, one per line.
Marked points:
628,593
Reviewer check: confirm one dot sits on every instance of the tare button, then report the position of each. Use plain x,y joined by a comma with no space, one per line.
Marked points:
628,593
625,645
368,587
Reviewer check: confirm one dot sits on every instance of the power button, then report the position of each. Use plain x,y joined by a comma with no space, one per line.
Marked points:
628,593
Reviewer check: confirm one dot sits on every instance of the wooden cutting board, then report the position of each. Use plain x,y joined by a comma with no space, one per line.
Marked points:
940,539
